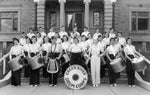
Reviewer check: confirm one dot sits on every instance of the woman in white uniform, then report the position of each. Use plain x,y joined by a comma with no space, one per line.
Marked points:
76,53
65,46
51,32
41,31
130,53
26,51
112,53
96,52
30,34
16,51
39,38
59,40
34,51
45,50
22,40
97,33
55,53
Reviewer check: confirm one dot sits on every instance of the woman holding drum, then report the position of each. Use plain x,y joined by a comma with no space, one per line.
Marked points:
26,50
65,57
45,50
112,53
130,53
34,53
15,54
76,51
54,55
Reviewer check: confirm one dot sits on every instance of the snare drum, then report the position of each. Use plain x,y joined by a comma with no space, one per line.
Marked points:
139,64
14,64
35,62
117,65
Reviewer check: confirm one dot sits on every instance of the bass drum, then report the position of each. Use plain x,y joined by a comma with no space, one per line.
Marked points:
139,64
36,62
15,64
117,65
76,77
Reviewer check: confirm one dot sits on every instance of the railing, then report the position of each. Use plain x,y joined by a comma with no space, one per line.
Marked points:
3,61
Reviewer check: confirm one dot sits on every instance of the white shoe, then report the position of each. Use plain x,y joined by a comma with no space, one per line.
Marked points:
55,85
97,85
94,85
35,85
111,85
130,86
115,84
133,85
50,85
31,85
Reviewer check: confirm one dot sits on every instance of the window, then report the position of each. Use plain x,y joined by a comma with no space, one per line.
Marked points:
53,21
97,19
139,21
9,21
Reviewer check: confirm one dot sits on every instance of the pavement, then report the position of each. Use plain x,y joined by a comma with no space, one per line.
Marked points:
44,89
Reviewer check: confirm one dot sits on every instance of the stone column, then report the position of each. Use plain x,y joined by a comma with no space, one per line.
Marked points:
87,12
62,12
41,14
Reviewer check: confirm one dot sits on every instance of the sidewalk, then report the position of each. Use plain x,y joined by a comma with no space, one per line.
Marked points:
44,89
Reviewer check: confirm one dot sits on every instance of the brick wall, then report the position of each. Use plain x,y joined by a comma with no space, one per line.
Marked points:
26,8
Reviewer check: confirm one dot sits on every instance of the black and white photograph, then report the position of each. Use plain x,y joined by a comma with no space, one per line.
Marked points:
74,47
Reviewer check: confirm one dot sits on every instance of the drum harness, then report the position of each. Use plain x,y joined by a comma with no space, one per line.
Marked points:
52,60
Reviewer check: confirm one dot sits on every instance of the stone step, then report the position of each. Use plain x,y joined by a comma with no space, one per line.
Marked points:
61,80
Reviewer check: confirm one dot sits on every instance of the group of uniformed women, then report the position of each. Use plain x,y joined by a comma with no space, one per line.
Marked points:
93,52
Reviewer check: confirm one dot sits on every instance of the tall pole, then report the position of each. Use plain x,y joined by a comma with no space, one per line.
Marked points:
62,12
35,24
113,15
86,12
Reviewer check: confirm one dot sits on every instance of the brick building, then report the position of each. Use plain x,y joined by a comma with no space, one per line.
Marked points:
131,17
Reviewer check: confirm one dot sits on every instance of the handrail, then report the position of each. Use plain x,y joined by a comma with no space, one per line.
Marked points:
3,59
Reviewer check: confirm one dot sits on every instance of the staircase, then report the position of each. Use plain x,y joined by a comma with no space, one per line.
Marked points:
121,80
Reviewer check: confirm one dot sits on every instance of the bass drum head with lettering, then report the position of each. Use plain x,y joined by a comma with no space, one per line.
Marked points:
76,77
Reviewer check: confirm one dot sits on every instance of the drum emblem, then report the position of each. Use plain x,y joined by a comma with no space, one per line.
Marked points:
76,77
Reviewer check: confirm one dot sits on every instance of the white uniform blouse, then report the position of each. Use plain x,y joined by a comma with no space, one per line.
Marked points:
35,48
85,33
95,36
43,34
50,34
129,50
106,41
75,33
62,33
102,46
112,49
22,41
122,41
75,48
26,47
56,48
95,50
65,45
84,45
46,47
30,35
16,50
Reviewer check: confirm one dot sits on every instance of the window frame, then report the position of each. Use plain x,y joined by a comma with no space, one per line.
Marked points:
130,20
12,9
100,19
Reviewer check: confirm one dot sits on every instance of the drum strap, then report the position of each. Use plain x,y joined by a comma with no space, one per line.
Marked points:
113,51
